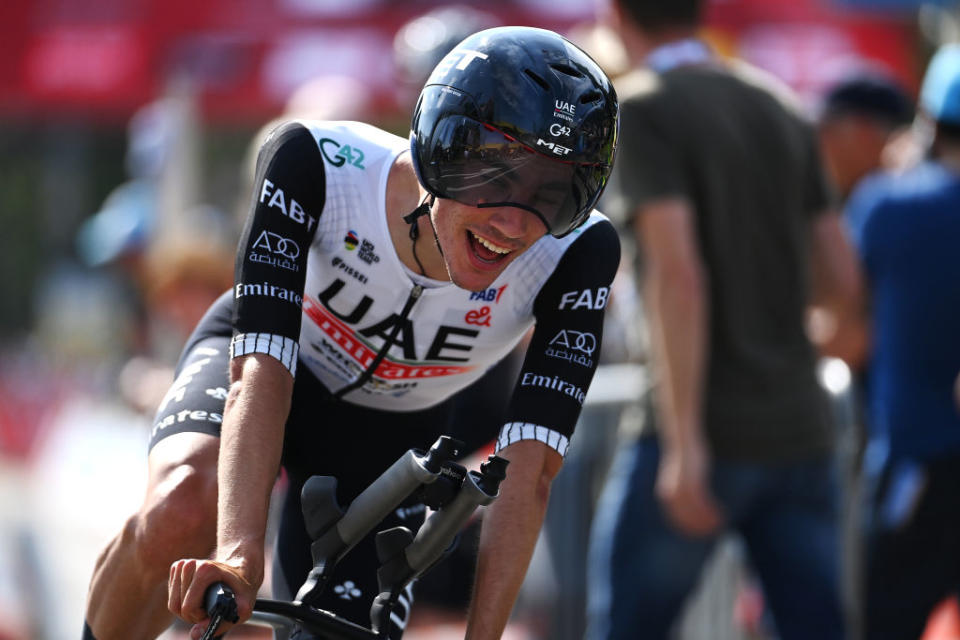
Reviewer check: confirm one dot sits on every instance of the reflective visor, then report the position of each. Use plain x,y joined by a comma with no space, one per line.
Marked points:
476,164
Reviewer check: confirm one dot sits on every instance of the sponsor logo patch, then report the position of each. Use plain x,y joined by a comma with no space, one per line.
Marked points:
366,252
268,290
275,198
585,299
564,110
479,317
347,269
554,383
273,243
179,417
275,250
557,149
351,240
338,155
488,295
348,590
458,59
573,346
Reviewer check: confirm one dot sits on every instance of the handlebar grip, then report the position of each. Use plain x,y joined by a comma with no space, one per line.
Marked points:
436,534
221,604
403,477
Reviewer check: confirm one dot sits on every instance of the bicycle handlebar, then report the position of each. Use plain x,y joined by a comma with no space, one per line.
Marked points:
336,532
221,604
403,557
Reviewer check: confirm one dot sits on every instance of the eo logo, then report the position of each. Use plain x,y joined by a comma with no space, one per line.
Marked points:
351,240
341,154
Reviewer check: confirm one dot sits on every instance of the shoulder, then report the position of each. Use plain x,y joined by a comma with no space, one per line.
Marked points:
586,258
878,192
597,234
767,84
916,183
340,143
352,131
639,86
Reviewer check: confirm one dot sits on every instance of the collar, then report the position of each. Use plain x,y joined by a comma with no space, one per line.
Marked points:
688,51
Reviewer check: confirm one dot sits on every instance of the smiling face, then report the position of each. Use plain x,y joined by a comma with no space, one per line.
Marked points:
479,243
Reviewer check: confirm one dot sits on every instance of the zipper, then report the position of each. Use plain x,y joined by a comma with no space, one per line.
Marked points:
391,339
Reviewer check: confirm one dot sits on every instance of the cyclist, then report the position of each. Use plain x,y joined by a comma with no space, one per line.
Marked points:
374,279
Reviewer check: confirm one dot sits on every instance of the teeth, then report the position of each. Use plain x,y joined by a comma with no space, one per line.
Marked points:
489,245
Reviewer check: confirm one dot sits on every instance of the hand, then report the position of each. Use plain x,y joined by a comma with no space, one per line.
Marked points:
683,487
189,580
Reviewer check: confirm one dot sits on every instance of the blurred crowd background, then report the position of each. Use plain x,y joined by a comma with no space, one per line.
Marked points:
127,129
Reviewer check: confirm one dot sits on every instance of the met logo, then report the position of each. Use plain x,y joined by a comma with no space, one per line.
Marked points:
457,59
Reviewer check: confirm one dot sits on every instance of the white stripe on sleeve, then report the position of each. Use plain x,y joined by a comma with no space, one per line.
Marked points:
282,348
517,431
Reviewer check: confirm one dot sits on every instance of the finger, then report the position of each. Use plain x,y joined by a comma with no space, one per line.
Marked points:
173,589
188,579
706,516
692,516
197,630
206,574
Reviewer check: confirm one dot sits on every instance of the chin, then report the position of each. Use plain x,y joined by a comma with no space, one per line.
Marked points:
475,283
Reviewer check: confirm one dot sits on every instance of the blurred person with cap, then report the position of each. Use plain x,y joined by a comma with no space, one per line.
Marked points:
862,119
720,185
859,117
906,227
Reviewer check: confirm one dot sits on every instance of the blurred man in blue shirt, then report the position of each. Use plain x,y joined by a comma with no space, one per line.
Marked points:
907,229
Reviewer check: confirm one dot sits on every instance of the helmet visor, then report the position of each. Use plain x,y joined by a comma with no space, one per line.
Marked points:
476,164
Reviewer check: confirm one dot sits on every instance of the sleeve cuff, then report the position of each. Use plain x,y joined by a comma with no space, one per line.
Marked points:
517,431
282,348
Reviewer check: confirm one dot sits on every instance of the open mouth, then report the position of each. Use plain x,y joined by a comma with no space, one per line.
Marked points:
487,250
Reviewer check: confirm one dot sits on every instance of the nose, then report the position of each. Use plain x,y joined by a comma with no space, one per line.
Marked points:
513,222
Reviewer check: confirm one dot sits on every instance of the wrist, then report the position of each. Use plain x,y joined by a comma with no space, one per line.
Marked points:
683,434
247,557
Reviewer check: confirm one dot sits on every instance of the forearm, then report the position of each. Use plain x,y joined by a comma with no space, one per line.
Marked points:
678,323
510,529
838,322
251,443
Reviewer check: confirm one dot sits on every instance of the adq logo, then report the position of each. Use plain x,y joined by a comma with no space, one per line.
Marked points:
273,243
576,340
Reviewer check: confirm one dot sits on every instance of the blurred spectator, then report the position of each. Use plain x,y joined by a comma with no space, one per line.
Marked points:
420,44
907,231
858,119
862,117
181,278
720,183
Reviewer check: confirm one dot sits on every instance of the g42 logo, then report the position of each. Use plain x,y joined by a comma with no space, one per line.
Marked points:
344,154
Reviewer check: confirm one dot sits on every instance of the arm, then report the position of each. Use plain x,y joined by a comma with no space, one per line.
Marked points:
676,293
510,529
285,208
250,447
837,321
557,370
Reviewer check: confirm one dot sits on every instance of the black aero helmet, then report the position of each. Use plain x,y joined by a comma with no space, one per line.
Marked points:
517,116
